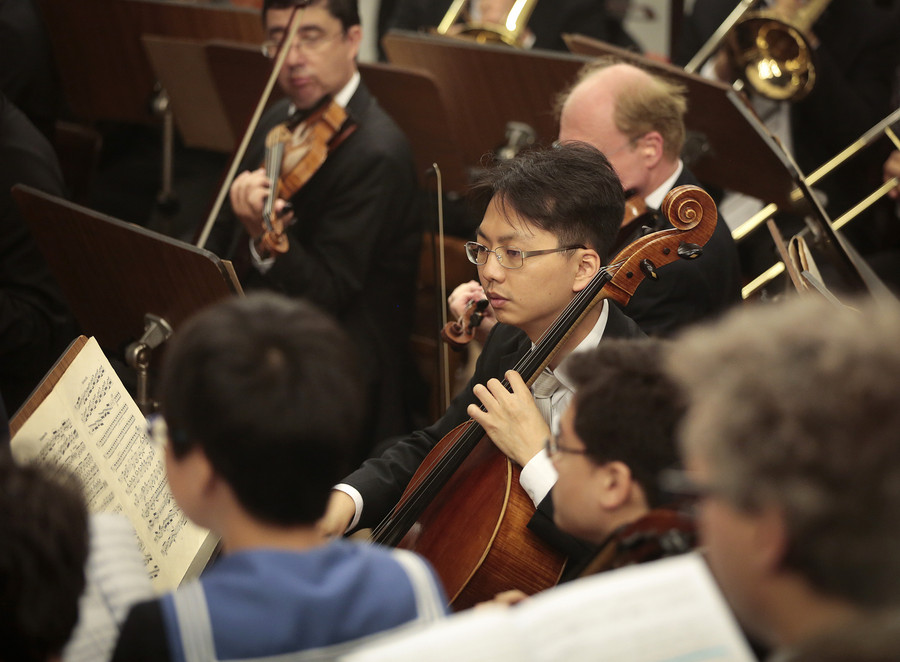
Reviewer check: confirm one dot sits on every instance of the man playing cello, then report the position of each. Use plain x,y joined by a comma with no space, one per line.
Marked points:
551,218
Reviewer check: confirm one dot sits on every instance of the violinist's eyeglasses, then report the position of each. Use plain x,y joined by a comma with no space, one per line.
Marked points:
508,256
306,40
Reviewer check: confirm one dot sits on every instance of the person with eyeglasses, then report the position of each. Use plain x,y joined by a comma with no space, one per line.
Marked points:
637,120
261,406
354,231
609,465
550,218
790,440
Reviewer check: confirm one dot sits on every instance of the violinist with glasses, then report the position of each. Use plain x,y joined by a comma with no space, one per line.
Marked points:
341,232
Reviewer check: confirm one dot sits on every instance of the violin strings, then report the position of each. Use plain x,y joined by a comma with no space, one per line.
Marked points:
395,524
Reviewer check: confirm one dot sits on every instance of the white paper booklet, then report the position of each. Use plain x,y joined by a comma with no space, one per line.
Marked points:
664,611
89,424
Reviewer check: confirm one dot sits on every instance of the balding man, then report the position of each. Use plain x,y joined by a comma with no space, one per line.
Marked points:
637,120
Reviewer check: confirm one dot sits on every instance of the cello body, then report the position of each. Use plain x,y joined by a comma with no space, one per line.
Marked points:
476,524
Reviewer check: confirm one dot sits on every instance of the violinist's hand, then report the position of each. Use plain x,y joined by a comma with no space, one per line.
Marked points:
248,194
461,297
504,599
338,514
511,420
892,169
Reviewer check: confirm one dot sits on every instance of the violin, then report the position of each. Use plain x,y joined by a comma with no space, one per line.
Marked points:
464,509
460,333
295,150
658,534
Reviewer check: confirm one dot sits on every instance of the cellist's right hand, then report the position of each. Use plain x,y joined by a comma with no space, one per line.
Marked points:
338,514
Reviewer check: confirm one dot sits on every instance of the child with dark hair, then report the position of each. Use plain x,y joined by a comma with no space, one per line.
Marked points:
263,408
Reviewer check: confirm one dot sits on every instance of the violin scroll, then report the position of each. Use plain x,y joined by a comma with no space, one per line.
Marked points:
460,333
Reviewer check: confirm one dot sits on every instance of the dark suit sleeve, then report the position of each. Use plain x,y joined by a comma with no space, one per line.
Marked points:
368,188
381,480
854,67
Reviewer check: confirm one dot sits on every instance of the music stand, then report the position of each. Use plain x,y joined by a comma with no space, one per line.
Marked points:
486,87
414,100
181,67
725,145
118,277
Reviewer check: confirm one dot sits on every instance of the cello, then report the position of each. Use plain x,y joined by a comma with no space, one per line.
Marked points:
467,491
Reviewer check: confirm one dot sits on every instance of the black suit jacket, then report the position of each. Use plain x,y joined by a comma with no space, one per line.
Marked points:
354,250
688,291
381,480
35,323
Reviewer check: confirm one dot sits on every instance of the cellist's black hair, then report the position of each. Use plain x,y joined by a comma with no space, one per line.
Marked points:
267,387
346,11
569,190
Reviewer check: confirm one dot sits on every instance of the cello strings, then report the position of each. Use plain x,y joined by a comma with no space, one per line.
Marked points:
395,524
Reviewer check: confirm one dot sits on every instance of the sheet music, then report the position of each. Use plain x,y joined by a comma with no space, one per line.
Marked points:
664,611
90,425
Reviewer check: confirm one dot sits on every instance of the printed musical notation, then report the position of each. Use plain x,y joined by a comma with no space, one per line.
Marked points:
90,425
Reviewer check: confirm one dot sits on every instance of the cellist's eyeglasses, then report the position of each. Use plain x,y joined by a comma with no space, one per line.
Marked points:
509,257
307,40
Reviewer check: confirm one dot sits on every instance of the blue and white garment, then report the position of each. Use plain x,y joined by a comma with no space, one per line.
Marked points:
277,605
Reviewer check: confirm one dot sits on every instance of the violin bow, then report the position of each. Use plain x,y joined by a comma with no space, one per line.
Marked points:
283,50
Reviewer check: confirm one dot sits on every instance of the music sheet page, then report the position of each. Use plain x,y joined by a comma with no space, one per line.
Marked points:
664,611
90,425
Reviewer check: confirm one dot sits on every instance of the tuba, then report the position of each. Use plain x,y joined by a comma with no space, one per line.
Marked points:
511,32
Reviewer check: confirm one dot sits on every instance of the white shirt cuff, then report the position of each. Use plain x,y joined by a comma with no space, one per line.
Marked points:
538,477
262,265
354,494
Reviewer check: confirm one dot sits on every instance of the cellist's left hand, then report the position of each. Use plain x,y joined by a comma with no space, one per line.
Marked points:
511,420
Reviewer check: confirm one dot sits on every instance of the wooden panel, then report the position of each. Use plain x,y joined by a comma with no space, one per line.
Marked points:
487,86
180,65
415,102
112,273
104,72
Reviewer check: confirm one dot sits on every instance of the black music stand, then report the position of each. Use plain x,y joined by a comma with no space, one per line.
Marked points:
126,285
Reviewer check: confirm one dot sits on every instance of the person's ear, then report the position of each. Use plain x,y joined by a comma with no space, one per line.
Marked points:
615,483
651,147
354,37
771,538
589,264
